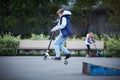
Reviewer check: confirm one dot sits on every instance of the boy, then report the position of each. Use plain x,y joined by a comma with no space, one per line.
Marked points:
65,31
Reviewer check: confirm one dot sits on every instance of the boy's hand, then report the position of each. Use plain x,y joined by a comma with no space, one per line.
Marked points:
53,30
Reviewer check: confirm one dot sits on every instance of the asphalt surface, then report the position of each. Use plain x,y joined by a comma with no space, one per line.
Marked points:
35,68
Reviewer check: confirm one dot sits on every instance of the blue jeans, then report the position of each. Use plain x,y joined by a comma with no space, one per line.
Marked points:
58,44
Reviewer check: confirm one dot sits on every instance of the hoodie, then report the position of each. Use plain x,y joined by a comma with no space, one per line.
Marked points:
64,24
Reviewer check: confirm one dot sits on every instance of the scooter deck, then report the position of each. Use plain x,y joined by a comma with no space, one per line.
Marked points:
46,58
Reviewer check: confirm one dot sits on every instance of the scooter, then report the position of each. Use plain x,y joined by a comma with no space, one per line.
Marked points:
47,56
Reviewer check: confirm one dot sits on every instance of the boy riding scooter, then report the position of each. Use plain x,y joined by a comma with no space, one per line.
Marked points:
65,31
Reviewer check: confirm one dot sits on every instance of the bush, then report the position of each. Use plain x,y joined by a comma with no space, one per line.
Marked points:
9,44
38,37
113,46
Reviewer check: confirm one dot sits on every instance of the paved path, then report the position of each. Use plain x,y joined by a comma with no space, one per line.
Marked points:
34,68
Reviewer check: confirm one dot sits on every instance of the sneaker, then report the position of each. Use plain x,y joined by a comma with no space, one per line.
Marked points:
57,58
68,56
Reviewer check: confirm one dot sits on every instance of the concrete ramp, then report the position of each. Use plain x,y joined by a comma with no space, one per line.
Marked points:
99,70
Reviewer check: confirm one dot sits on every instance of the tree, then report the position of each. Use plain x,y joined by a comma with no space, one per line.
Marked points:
113,11
27,16
82,9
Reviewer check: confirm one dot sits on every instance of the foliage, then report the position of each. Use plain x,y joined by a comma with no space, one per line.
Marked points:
113,46
23,14
39,37
9,44
82,9
37,16
113,10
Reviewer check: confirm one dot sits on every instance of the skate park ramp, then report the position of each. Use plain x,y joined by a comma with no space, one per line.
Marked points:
100,70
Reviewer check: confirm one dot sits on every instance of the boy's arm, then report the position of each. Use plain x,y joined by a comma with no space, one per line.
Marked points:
58,26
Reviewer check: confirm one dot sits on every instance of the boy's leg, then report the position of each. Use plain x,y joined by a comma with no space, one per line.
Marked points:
56,47
59,44
64,49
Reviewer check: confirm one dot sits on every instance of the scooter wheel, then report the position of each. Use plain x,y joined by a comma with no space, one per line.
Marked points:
66,62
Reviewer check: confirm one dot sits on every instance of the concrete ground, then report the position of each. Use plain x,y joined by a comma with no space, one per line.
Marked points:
35,68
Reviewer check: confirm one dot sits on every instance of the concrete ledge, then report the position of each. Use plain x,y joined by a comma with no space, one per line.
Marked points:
97,70
80,45
35,44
